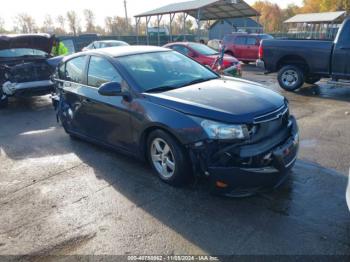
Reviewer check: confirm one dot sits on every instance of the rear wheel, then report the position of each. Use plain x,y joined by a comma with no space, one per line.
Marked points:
246,62
168,158
291,78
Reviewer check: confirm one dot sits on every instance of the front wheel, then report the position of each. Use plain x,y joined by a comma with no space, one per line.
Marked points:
168,158
291,78
3,100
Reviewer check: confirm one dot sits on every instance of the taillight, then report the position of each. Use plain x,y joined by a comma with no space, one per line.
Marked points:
261,51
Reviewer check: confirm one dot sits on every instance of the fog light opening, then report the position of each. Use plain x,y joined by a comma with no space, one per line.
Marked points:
221,184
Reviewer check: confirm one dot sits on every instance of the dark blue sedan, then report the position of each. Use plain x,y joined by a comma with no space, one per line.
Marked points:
183,118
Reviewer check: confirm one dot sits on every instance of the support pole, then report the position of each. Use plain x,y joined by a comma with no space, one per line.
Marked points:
148,18
137,20
159,18
172,16
184,26
198,19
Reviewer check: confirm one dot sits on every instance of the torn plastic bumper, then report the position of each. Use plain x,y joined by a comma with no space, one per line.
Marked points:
11,89
242,170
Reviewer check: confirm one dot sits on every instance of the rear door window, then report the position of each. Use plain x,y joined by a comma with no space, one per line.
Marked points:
101,71
181,49
240,40
251,41
75,69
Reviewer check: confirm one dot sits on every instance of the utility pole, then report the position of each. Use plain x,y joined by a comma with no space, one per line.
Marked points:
126,14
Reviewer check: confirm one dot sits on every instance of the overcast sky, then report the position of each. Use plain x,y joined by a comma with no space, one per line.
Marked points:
102,8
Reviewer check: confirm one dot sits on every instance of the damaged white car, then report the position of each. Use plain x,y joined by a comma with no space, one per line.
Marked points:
26,67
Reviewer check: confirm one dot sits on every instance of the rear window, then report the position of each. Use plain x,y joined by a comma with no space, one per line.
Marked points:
251,41
74,69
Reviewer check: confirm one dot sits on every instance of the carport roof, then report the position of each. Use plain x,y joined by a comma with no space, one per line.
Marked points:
316,17
209,9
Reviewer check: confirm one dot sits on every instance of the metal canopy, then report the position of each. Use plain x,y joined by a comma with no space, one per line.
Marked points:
316,17
201,10
209,9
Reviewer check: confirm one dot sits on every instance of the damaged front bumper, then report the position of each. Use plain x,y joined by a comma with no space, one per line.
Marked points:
30,88
243,170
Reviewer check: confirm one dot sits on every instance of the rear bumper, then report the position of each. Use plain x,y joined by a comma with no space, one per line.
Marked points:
260,64
238,181
28,88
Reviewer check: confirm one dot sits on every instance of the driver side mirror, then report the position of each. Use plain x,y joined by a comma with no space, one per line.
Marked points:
110,89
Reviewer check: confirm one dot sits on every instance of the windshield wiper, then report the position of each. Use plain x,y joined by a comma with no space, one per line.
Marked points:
160,89
199,80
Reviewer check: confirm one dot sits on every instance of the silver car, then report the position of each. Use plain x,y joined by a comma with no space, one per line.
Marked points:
104,44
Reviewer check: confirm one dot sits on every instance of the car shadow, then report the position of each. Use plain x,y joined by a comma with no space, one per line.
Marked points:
283,218
28,127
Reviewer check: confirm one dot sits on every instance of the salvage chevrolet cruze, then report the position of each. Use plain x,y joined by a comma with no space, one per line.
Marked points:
183,118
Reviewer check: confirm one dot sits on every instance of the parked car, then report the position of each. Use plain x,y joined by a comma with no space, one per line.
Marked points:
104,44
245,47
26,66
156,104
307,61
205,55
215,44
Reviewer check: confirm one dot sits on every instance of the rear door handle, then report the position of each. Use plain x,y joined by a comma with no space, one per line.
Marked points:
345,47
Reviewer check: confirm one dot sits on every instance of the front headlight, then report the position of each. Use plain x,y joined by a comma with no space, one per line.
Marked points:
221,131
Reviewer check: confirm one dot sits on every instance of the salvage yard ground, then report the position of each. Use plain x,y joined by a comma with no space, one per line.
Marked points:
65,196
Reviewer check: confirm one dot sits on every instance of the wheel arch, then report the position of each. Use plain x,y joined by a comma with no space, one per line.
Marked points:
294,60
148,130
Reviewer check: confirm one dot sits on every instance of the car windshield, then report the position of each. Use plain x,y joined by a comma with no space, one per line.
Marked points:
203,49
19,52
160,71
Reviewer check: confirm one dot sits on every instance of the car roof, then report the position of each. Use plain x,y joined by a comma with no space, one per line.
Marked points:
109,41
119,51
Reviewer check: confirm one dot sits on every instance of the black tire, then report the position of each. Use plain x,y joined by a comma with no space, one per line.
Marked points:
296,80
229,53
312,80
3,101
182,168
246,62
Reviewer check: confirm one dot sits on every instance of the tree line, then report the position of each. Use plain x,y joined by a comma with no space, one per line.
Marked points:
272,16
72,24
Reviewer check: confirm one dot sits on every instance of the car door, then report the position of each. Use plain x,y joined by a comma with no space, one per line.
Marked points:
72,75
252,48
108,117
239,47
341,54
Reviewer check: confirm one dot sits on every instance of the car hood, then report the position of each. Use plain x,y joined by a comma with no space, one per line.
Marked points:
227,99
41,42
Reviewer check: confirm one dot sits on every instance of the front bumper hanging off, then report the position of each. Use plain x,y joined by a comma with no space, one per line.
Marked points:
246,180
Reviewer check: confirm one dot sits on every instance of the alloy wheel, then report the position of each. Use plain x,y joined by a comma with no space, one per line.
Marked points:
163,158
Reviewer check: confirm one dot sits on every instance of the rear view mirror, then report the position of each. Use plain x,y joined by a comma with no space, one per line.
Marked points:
110,89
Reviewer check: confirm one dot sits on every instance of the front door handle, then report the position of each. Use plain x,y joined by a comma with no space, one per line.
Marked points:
86,101
345,47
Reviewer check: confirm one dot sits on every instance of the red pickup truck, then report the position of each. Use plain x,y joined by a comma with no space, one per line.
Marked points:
245,47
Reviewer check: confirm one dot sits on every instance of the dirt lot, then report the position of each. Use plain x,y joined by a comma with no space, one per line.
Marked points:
64,196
